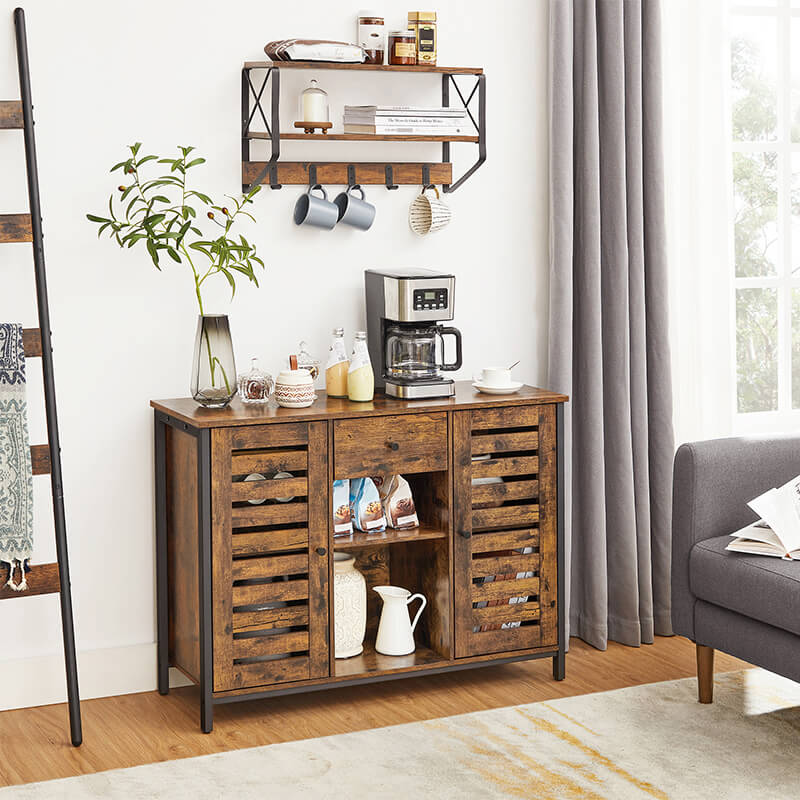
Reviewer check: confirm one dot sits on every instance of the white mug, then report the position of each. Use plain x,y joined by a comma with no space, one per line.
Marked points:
427,215
494,376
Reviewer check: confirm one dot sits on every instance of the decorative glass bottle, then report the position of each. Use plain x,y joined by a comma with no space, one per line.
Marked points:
255,386
337,366
213,382
360,378
306,361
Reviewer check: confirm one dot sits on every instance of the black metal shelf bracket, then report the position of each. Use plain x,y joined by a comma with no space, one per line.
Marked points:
479,124
390,184
351,176
273,126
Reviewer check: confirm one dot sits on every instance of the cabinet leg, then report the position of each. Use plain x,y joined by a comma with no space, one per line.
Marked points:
207,715
560,665
162,601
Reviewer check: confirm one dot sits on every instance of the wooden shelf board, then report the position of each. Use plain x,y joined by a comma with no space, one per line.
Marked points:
370,663
362,67
389,536
364,137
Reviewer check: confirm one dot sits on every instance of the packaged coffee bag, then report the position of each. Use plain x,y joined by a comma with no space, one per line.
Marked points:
366,508
342,521
398,503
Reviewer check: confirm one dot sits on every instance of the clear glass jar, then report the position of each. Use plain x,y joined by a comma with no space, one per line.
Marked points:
314,104
360,378
255,386
411,352
306,361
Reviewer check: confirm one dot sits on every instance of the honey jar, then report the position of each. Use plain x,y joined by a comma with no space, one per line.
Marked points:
402,48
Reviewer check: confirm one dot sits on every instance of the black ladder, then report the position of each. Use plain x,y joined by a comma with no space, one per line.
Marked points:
42,578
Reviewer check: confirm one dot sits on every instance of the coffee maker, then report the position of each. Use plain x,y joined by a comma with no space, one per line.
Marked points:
404,307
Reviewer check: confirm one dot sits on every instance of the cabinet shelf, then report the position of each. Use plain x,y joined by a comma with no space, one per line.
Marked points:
363,67
389,536
370,663
364,137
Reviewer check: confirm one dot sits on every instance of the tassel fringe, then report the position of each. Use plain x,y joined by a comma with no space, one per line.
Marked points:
24,567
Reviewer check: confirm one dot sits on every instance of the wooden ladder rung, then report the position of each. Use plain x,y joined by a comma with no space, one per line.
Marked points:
15,228
42,579
40,459
10,114
32,342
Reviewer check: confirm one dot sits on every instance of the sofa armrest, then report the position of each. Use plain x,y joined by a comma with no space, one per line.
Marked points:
712,483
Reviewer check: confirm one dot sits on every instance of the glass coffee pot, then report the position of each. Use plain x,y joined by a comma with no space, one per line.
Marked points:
416,352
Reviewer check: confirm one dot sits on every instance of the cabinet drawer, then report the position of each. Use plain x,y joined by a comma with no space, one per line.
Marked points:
407,443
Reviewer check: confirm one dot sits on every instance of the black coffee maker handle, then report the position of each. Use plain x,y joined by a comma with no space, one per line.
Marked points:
443,331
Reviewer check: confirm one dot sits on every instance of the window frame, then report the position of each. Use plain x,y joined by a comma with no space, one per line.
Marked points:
785,12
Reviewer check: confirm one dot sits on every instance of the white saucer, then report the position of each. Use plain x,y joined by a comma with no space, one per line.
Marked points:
512,387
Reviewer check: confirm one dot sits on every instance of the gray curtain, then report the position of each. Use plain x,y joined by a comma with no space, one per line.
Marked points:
608,345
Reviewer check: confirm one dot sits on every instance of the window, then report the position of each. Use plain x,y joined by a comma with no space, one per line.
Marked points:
765,159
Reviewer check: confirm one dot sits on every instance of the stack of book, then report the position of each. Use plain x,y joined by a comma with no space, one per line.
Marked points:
406,120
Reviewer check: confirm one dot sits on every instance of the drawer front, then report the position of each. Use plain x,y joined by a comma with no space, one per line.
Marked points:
378,445
505,529
269,563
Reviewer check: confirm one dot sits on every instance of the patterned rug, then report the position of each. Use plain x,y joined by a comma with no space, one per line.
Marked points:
652,741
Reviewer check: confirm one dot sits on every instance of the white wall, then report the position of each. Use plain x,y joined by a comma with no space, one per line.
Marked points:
106,74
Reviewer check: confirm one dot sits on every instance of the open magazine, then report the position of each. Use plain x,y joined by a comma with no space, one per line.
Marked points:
777,533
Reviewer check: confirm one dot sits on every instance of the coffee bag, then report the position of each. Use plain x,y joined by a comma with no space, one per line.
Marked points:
398,502
366,508
342,520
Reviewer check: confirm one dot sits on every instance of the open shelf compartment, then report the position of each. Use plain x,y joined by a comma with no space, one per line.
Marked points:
417,559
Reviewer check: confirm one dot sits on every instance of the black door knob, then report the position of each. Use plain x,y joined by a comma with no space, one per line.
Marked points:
321,551
466,534
393,445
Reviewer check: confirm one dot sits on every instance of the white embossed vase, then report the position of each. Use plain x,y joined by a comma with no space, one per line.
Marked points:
349,606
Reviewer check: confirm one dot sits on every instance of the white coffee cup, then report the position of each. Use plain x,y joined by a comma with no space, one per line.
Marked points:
495,377
428,215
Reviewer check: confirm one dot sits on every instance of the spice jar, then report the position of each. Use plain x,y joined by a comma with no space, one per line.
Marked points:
370,36
402,48
423,23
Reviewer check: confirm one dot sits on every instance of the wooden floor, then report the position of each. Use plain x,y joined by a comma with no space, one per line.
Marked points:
143,728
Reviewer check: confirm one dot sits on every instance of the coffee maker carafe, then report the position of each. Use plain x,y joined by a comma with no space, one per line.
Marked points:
405,339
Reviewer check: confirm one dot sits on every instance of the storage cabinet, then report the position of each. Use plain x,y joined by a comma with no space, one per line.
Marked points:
245,542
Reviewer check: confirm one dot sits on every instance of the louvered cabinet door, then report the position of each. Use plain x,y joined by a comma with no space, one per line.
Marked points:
269,554
505,507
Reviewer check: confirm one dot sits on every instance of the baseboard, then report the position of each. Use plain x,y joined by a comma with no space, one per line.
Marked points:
39,681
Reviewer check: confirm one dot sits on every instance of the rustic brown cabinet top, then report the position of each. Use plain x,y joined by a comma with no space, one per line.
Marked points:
186,410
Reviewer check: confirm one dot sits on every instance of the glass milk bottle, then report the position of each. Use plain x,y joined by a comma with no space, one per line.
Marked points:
337,366
360,379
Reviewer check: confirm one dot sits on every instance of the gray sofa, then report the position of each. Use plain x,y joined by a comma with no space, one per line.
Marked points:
748,606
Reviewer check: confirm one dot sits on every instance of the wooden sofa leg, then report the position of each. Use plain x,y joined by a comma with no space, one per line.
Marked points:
705,673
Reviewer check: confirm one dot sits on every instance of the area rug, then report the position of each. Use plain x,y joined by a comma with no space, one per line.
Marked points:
652,741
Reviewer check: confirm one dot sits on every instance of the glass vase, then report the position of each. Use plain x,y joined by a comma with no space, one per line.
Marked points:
214,370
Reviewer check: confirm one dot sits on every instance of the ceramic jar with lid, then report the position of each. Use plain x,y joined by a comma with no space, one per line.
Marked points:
349,606
370,36
294,388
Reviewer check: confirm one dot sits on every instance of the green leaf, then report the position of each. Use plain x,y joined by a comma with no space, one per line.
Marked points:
145,160
195,162
94,218
153,219
118,166
135,147
173,254
127,191
231,281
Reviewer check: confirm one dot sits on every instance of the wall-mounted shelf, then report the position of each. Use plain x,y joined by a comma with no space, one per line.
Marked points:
275,172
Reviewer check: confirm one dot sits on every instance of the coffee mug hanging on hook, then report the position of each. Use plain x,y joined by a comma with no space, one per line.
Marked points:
428,214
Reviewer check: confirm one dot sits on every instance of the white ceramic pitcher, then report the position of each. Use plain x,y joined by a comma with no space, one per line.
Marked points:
395,630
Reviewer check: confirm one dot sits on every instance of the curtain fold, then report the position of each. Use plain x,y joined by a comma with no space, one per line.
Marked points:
608,313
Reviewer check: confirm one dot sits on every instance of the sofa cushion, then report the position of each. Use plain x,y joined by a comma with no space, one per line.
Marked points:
761,587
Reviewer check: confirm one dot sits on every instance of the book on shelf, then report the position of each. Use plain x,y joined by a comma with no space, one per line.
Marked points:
432,122
777,532
416,111
408,130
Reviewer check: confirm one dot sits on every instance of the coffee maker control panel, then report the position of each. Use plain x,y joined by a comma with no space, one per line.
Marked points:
430,299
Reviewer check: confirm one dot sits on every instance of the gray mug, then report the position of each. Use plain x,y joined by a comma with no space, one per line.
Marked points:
316,211
354,211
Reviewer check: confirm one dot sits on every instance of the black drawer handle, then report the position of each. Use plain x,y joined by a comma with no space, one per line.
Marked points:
393,445
321,551
466,534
